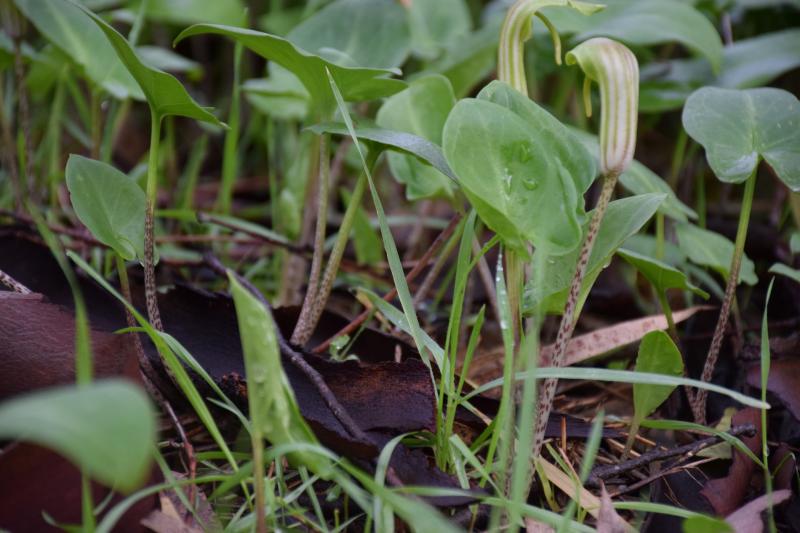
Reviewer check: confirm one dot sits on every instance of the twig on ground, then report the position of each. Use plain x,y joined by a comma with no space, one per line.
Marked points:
645,459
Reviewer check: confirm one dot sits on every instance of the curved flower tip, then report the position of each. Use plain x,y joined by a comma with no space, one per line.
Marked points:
517,29
615,69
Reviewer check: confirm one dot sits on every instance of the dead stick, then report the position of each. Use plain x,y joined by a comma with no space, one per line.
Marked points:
606,471
411,276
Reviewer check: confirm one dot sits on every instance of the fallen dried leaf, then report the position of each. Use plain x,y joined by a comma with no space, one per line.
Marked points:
727,493
783,382
608,520
748,519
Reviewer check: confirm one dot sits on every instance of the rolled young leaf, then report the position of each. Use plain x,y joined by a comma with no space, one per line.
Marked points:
615,69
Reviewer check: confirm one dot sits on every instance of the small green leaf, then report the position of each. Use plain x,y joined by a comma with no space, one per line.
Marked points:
356,83
739,127
712,250
165,94
395,140
109,203
649,22
623,218
63,23
421,109
524,172
785,270
107,428
659,274
273,407
657,355
168,61
367,33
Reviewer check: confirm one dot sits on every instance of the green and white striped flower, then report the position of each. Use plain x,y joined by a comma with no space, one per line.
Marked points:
517,29
615,69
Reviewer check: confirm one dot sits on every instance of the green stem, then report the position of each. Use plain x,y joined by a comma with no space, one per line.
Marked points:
678,157
230,154
303,329
96,127
665,308
149,240
258,481
567,324
660,236
730,290
335,259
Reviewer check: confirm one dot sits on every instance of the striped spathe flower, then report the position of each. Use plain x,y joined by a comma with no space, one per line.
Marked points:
614,68
516,30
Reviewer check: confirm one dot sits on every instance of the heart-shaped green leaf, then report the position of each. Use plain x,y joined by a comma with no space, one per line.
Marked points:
165,94
661,275
711,249
107,428
520,167
273,407
355,83
421,109
63,23
657,355
368,33
623,218
109,203
739,127
648,22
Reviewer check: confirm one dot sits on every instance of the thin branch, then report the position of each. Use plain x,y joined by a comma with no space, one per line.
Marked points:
607,471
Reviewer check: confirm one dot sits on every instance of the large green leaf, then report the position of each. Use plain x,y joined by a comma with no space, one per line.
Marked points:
273,407
437,24
368,33
648,22
661,275
183,12
63,23
421,109
107,428
739,127
623,218
522,169
639,179
657,355
711,249
356,83
109,203
165,94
